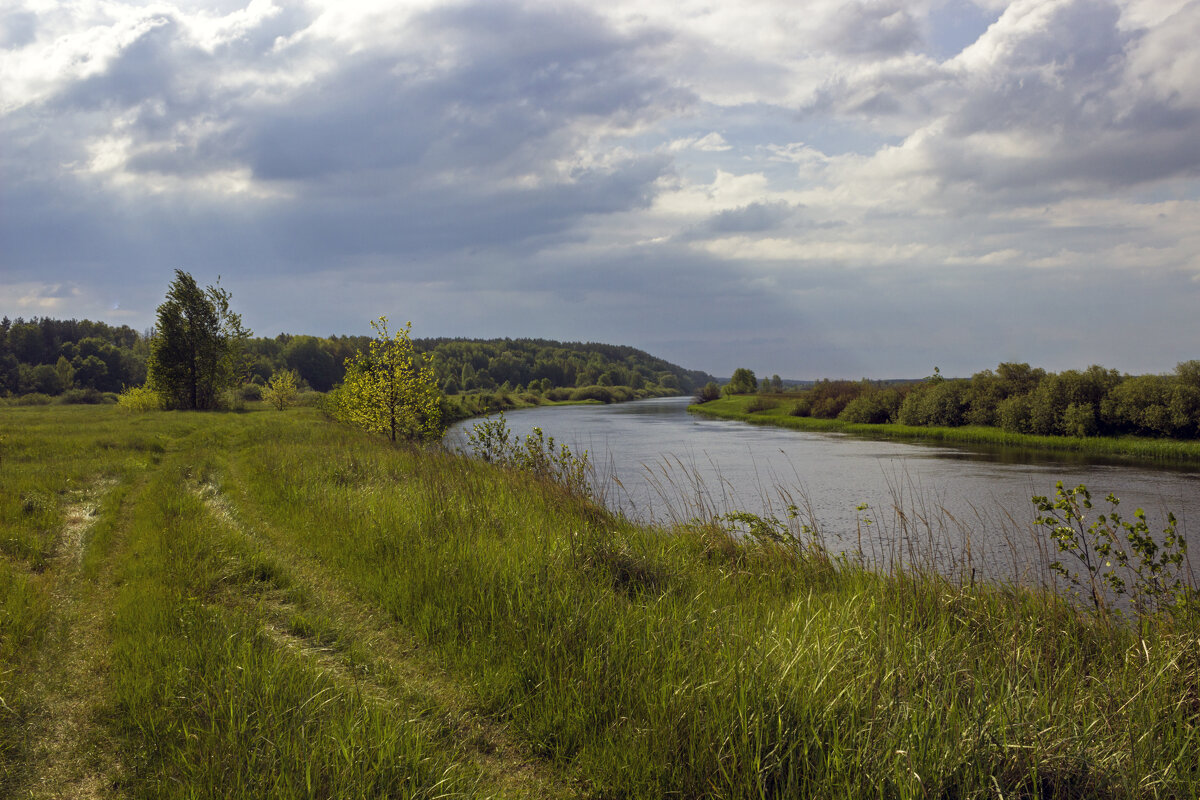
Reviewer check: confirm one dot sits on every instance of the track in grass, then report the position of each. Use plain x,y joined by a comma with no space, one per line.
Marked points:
354,645
71,754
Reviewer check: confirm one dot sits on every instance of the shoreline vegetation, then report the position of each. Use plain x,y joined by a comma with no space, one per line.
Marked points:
271,604
777,411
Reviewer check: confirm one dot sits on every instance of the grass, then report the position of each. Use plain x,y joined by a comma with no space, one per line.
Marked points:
752,409
296,610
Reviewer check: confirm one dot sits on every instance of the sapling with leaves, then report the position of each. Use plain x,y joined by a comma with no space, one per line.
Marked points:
1115,556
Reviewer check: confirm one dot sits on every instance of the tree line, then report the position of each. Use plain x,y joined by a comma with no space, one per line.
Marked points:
1019,398
52,357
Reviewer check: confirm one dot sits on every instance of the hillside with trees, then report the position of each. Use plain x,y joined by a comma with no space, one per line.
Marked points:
78,361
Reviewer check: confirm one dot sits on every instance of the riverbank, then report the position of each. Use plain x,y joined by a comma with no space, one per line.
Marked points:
767,410
268,604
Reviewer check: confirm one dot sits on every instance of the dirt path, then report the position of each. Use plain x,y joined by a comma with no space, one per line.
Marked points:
400,672
70,756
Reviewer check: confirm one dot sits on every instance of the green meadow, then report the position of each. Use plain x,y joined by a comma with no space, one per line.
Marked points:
267,604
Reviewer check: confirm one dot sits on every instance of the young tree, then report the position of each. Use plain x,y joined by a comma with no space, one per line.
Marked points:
387,390
197,346
282,389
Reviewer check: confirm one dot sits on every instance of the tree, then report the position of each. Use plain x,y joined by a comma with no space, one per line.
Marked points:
196,351
282,389
710,391
387,390
742,382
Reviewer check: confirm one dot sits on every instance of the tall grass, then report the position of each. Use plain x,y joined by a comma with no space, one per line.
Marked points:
632,661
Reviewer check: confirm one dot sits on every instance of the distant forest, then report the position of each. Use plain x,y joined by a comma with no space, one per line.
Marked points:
81,359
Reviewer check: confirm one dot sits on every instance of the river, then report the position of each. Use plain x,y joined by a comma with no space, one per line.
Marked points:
948,507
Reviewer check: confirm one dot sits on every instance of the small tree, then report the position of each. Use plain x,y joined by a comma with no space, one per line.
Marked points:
742,382
387,390
282,389
196,351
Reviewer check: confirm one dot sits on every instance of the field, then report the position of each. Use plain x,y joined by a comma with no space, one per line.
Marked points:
767,410
266,604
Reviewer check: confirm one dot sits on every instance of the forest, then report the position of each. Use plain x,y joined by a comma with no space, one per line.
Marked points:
79,361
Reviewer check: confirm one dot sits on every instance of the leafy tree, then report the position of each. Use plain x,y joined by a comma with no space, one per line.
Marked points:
742,382
387,390
710,391
197,348
776,384
282,389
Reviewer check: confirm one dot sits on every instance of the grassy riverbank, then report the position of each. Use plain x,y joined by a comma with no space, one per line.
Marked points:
777,412
266,604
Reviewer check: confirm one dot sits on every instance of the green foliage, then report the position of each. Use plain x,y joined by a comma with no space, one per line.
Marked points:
710,391
195,354
742,382
872,408
282,390
493,442
139,399
1114,557
388,390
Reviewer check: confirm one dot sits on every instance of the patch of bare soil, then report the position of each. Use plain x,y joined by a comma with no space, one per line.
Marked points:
69,757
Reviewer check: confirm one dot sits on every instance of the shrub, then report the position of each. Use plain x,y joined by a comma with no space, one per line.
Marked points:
602,393
710,391
252,392
760,403
873,408
87,396
139,399
492,441
1115,557
34,399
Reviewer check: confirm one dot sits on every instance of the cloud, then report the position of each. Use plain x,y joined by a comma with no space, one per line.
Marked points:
717,178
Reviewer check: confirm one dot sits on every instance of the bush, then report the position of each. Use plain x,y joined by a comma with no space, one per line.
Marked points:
252,392
873,408
1079,419
710,391
140,399
602,393
34,399
558,395
803,408
82,397
760,403
1013,413
492,441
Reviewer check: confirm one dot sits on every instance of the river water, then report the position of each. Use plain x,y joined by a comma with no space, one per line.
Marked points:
948,507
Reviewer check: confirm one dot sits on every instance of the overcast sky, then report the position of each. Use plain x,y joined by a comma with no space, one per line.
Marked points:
810,188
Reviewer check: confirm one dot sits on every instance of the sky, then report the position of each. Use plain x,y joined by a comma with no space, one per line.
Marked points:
810,188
